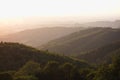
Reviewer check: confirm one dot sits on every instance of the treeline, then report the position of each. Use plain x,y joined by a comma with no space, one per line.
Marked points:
51,71
66,71
102,54
20,62
14,55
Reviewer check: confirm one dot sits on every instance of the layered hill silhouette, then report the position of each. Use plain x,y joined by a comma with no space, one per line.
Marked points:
113,24
102,54
14,55
39,36
83,41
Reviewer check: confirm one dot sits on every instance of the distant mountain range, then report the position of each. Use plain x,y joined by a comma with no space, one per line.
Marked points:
82,41
39,36
113,24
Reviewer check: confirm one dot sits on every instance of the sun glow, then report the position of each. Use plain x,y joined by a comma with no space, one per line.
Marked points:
27,8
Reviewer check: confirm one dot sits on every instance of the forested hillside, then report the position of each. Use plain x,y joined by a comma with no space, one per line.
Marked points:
20,62
15,55
83,41
101,55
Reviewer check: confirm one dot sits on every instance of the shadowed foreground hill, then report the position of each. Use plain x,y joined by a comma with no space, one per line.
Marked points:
14,55
102,54
83,41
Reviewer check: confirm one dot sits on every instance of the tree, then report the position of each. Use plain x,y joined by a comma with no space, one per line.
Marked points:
26,78
5,76
75,75
103,73
109,72
67,70
115,67
30,68
51,70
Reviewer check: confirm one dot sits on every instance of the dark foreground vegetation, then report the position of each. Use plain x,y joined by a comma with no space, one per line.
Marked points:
102,54
20,62
66,71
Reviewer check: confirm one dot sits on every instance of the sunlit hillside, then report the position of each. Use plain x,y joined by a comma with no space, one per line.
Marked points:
59,39
82,41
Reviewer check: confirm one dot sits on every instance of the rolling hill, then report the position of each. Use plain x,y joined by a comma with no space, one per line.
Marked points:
102,54
113,24
39,36
14,55
82,41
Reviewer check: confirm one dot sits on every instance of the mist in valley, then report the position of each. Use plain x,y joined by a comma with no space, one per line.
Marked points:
59,40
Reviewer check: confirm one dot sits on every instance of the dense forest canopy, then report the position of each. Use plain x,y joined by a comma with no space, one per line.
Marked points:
92,54
21,62
102,54
15,55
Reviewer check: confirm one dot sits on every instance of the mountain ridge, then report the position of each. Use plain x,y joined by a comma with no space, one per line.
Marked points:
39,36
83,40
15,55
102,54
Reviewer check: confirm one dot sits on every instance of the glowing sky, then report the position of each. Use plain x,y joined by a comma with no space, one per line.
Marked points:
28,8
13,13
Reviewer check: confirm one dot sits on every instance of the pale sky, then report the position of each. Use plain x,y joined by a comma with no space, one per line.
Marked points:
15,12
28,8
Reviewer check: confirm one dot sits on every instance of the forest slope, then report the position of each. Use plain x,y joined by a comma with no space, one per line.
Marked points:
83,41
15,55
102,54
39,36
